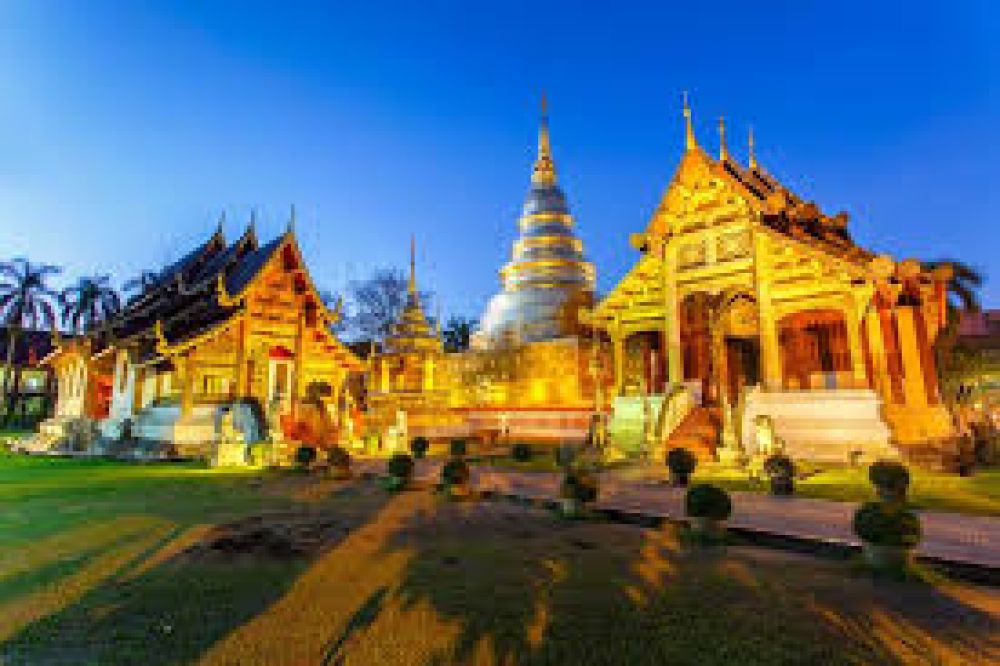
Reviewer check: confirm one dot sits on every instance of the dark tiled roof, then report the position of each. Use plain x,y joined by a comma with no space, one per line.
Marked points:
184,298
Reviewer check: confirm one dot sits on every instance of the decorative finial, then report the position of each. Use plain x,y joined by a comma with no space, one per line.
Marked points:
723,152
544,172
413,266
690,142
753,158
291,220
253,217
222,221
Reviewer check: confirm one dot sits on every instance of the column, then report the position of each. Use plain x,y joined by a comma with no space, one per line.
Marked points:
876,347
671,311
770,352
239,374
853,322
296,383
429,373
187,386
137,388
914,389
618,355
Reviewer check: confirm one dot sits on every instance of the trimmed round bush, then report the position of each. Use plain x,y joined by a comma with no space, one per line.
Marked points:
580,485
419,446
455,472
886,524
890,478
704,500
779,465
681,463
338,457
458,447
305,456
521,452
400,466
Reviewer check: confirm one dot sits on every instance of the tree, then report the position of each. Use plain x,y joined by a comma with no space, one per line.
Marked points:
141,283
457,333
377,302
955,363
89,302
26,300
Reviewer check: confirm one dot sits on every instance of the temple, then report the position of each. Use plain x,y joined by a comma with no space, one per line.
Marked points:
231,328
749,301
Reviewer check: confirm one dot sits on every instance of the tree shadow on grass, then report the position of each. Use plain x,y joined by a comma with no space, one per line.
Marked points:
524,587
158,594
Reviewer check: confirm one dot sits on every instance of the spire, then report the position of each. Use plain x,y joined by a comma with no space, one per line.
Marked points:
690,142
723,152
253,218
544,172
753,158
412,286
222,221
291,220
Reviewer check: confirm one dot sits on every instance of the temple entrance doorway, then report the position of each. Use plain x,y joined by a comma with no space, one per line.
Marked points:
743,363
279,379
815,350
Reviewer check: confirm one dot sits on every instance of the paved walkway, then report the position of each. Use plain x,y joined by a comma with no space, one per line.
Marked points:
957,538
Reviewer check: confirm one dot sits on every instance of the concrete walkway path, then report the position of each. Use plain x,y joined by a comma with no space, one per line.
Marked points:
950,537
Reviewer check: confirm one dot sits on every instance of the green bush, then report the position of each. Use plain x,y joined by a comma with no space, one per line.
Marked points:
305,456
580,485
681,461
458,447
419,447
338,457
704,500
890,478
521,452
781,470
455,472
887,524
400,466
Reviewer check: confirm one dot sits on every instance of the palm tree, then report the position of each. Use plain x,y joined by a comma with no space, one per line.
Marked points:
26,300
140,283
963,284
89,302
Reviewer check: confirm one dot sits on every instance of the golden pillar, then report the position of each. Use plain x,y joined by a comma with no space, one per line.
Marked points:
770,351
914,388
876,348
296,386
618,354
138,386
853,322
187,386
672,320
241,359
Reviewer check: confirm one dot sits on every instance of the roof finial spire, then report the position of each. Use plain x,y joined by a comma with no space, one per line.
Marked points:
221,222
544,172
690,142
253,217
723,151
412,286
291,220
753,158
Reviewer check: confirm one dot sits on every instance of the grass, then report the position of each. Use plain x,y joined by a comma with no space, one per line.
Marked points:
96,568
978,494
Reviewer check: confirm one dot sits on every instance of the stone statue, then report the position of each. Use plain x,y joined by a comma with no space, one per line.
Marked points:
767,441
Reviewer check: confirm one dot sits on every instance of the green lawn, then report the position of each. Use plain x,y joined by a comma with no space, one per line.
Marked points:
107,563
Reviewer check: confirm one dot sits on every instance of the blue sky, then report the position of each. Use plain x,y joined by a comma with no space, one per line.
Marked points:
126,128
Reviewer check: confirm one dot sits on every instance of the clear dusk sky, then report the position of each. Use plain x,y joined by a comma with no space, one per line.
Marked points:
126,128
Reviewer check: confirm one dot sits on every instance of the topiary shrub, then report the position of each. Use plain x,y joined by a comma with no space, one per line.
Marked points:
889,532
455,472
704,500
781,470
521,452
339,461
458,447
419,447
891,480
400,469
681,463
578,487
305,456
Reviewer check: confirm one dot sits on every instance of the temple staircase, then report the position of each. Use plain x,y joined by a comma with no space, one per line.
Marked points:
633,416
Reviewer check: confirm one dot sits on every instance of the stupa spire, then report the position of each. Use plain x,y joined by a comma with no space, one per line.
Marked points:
412,284
753,158
690,142
723,151
544,172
